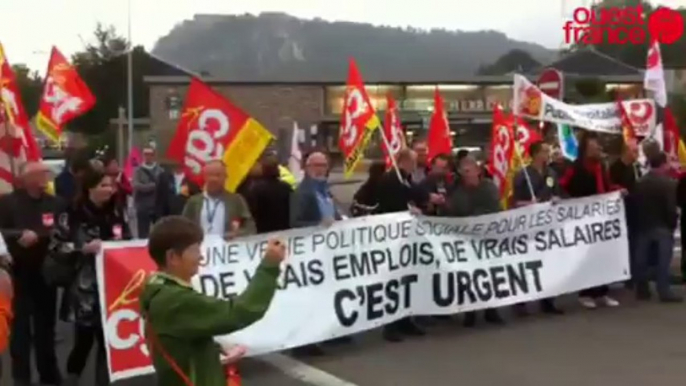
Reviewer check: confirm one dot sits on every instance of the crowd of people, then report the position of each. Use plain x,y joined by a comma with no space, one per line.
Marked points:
53,240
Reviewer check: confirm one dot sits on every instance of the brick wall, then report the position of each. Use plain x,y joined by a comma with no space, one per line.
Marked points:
275,106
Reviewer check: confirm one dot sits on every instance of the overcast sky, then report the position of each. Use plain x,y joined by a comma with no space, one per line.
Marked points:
28,28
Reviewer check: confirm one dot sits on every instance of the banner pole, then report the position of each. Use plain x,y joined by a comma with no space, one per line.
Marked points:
392,156
521,161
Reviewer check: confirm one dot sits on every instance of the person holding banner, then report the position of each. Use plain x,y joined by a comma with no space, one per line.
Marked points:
217,211
587,177
27,218
181,322
312,203
421,149
398,193
544,187
76,240
625,172
474,196
438,182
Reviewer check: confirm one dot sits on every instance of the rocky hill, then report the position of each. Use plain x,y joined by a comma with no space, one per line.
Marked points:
279,47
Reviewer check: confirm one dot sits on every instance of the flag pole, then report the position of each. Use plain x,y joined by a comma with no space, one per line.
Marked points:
521,161
129,83
392,156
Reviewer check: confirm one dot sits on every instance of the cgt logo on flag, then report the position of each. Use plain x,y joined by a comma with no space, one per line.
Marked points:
530,101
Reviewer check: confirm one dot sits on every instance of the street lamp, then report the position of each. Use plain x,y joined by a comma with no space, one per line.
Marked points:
129,80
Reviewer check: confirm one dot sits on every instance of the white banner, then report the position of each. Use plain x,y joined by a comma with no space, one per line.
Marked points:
363,273
530,102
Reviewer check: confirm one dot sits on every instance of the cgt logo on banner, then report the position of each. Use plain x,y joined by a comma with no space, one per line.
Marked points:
362,273
530,102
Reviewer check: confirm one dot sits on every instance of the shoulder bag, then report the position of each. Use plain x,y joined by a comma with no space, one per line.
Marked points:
232,376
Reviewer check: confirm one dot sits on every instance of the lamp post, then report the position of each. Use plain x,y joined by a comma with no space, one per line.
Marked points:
129,81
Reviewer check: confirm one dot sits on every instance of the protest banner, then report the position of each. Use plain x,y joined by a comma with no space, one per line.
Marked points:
363,273
530,102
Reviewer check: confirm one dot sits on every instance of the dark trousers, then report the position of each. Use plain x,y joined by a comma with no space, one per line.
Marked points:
399,326
632,235
595,292
84,339
145,220
663,240
33,327
683,243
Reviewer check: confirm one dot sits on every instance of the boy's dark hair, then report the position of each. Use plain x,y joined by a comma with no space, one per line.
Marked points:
535,148
460,155
174,233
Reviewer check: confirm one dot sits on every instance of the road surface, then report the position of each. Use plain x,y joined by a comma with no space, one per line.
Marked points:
636,344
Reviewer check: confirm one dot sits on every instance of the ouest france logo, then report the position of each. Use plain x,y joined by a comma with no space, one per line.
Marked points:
623,25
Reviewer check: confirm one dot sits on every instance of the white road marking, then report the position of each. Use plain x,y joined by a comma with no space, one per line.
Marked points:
302,371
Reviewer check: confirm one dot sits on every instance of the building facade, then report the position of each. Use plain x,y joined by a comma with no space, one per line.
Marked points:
469,103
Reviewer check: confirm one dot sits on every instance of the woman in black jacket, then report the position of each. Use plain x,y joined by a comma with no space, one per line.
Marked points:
78,235
588,176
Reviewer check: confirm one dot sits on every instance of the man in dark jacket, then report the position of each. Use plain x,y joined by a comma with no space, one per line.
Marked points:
625,172
398,194
145,181
173,190
540,179
66,183
657,219
474,196
439,183
271,199
27,216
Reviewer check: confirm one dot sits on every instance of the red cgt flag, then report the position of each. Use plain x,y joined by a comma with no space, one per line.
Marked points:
213,128
358,120
502,147
65,97
525,136
18,143
628,132
439,140
393,131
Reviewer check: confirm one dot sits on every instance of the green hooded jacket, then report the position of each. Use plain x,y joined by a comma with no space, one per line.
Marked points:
185,322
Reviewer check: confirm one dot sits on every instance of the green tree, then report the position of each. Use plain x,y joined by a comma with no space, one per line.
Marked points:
30,87
103,66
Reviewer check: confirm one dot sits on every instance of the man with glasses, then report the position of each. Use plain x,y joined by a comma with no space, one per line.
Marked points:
312,204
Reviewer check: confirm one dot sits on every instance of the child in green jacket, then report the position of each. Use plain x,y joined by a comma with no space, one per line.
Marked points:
182,322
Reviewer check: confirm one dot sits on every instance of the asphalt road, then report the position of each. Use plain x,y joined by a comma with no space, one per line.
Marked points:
635,344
